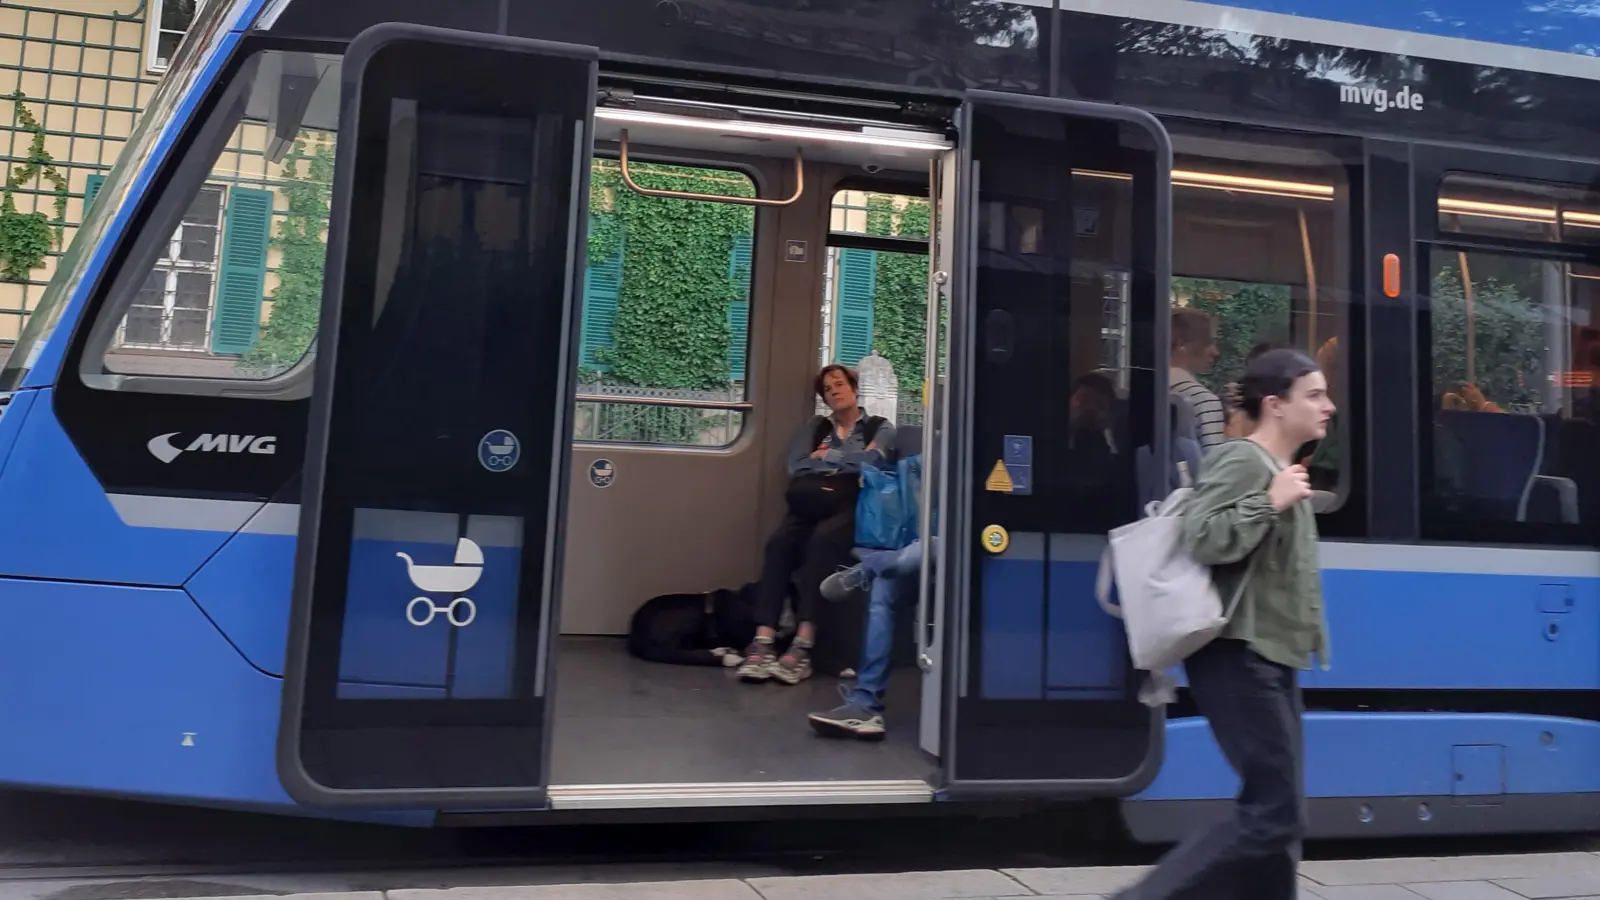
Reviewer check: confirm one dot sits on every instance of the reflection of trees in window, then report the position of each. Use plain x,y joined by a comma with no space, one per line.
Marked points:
1245,314
1106,51
951,43
1492,337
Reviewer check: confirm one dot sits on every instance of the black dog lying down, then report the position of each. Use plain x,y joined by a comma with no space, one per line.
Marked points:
710,629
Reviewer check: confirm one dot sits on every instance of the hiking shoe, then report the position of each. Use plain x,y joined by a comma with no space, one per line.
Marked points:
794,666
759,661
841,584
848,720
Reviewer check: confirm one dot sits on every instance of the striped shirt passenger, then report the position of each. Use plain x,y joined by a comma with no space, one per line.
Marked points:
1194,350
1208,413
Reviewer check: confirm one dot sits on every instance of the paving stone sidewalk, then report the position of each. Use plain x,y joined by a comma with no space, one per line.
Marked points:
1542,876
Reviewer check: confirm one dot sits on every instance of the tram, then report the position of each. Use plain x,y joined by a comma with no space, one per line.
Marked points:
505,326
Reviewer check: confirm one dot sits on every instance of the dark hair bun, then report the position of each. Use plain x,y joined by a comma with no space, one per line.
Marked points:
1272,374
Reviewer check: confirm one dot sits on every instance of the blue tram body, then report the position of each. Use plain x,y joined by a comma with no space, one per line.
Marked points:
152,618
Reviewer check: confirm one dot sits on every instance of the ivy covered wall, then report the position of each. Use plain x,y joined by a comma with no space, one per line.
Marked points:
666,290
297,300
664,278
900,302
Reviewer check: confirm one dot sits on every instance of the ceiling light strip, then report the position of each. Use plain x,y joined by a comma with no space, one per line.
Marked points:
766,129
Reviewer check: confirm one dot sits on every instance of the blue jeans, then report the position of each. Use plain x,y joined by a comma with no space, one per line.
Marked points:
893,576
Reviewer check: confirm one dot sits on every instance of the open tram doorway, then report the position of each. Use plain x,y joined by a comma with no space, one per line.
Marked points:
726,266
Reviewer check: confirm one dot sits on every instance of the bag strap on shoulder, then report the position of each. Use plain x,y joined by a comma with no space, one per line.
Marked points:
869,431
822,430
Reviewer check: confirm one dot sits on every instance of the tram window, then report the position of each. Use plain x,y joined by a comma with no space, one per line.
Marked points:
666,308
1513,398
1262,253
1521,210
875,301
225,282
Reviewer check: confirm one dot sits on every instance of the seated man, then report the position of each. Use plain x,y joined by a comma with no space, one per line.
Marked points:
891,576
819,526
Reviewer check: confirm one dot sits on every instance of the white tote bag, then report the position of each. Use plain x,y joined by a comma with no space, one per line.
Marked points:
1168,603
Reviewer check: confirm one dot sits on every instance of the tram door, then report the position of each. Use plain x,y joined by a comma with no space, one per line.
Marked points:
438,424
1057,404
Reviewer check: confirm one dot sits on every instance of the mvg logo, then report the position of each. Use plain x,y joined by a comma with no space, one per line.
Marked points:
162,448
1378,98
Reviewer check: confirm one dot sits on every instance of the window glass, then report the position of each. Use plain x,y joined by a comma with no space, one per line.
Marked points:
1515,348
875,302
1260,261
666,308
234,289
173,308
1521,210
169,21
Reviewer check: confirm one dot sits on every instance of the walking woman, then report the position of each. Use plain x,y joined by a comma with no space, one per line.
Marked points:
1250,517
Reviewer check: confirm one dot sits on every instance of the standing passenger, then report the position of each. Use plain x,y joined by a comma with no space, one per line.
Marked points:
819,525
1249,516
1194,350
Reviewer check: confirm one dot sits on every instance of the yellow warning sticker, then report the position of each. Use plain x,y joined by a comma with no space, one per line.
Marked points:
999,478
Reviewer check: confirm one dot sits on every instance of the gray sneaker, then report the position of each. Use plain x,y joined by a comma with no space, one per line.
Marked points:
794,666
759,660
841,584
848,720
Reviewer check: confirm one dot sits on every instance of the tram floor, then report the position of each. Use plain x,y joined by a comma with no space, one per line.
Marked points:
621,720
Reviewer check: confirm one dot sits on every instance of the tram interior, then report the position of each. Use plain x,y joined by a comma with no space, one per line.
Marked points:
693,477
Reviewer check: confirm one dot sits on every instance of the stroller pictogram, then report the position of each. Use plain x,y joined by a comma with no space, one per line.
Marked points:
499,450
452,579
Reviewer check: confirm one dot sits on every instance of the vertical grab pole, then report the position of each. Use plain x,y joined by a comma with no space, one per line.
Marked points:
930,368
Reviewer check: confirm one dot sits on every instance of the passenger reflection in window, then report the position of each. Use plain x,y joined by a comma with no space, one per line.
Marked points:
1194,351
1092,440
1091,412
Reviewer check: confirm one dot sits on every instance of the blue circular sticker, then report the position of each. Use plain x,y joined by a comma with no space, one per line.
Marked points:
602,473
499,450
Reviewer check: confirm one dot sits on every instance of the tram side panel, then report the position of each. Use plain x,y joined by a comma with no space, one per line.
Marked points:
1454,654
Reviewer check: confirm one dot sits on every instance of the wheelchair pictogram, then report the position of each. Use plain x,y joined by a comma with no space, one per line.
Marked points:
451,579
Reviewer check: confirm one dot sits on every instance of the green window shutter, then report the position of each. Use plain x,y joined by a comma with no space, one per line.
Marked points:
242,274
857,277
602,291
91,187
739,309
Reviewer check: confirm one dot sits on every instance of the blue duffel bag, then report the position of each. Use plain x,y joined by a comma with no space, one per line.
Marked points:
886,508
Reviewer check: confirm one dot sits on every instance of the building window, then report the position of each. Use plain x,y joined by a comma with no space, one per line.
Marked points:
173,308
168,22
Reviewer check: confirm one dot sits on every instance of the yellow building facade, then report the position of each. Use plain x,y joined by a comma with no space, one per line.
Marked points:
75,76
